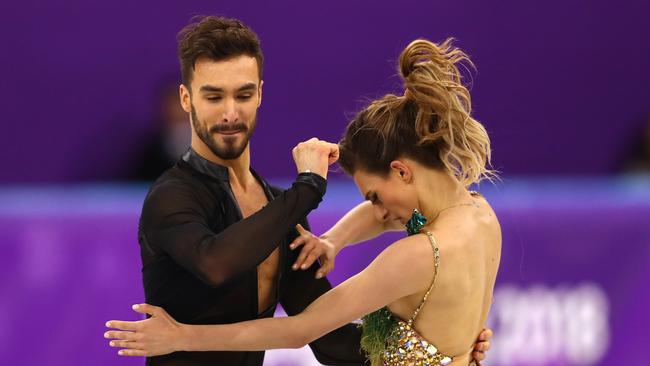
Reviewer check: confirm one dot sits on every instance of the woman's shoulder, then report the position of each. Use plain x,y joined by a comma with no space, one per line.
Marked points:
467,226
413,254
421,247
410,247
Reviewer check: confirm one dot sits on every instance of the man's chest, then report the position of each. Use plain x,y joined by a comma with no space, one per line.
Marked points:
267,272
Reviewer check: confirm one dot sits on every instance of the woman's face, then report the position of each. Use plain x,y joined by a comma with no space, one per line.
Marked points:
392,197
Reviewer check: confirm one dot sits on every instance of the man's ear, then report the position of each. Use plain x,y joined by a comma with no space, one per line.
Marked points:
185,98
259,92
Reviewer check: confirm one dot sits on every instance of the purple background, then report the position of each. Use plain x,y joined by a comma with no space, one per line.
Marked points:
561,85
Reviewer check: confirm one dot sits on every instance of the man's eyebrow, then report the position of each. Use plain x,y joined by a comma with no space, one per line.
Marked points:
248,86
215,89
210,89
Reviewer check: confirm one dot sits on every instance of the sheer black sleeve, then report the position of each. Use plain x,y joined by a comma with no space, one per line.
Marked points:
174,220
299,289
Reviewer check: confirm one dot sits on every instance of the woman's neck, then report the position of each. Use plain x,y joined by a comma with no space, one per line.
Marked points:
437,191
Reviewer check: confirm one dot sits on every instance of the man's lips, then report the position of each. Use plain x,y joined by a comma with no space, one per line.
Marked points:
234,132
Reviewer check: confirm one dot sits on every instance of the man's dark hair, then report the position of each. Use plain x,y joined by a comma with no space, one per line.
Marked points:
217,38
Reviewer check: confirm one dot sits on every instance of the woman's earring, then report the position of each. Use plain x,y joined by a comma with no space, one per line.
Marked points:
415,223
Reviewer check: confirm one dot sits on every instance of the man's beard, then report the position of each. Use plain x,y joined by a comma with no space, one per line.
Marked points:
227,150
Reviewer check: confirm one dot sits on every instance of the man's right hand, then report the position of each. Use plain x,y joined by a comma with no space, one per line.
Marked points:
315,156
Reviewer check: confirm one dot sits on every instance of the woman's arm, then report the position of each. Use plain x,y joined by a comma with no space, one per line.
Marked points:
402,269
358,225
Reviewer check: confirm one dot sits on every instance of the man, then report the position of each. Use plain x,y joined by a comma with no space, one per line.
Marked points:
214,235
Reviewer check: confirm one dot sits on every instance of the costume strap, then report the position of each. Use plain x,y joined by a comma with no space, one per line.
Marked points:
436,263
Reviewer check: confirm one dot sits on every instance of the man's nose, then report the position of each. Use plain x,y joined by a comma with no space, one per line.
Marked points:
230,112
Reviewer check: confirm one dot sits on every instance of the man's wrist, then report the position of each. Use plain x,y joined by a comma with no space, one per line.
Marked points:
314,180
338,244
187,338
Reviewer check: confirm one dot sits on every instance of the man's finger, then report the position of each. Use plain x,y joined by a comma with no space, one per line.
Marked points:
478,355
124,344
146,309
302,230
301,257
483,346
311,258
485,335
132,352
114,334
333,154
122,325
326,267
297,242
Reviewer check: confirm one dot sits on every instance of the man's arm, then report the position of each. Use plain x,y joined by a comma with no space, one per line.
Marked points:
298,290
174,221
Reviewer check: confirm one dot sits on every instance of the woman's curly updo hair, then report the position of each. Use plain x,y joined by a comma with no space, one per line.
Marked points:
430,123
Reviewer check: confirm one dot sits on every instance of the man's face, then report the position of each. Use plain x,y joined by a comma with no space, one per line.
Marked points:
223,104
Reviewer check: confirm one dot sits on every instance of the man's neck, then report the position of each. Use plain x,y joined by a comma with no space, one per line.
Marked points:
239,172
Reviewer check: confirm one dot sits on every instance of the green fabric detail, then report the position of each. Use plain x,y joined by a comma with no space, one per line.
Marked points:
378,327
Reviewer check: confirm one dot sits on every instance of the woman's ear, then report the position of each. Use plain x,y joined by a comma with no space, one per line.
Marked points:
402,171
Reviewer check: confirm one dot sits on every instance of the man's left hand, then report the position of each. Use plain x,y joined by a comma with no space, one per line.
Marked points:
314,247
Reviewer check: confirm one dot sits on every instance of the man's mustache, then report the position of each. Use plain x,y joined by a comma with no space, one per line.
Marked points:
229,127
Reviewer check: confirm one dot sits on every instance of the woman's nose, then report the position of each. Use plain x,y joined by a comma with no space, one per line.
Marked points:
381,213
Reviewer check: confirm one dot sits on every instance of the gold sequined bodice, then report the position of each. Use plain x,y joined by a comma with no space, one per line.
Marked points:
405,346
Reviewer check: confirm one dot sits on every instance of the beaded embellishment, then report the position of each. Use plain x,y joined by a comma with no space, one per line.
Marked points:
411,349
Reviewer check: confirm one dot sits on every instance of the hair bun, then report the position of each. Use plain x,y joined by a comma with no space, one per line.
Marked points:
431,123
416,52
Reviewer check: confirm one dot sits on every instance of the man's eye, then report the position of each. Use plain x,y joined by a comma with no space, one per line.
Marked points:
214,98
244,97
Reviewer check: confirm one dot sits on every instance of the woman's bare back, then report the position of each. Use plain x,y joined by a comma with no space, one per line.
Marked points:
469,240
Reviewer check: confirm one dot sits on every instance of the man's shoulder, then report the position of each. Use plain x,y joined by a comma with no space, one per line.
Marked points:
275,191
174,178
176,183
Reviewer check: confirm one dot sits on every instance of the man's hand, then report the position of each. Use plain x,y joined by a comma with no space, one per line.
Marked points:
314,247
482,345
157,335
315,155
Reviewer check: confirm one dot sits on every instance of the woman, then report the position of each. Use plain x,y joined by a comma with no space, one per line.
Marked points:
427,296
